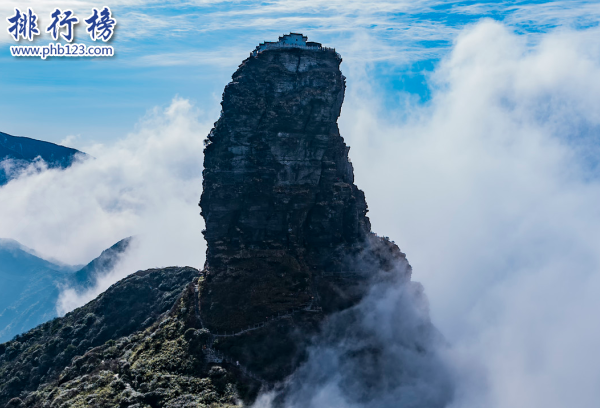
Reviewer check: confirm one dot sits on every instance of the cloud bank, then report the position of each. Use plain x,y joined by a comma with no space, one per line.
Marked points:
148,184
492,190
382,353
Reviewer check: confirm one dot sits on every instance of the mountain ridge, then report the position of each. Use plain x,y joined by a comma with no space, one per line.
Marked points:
40,355
17,152
29,292
85,277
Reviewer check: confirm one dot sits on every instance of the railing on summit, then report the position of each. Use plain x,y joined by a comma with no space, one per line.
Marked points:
265,47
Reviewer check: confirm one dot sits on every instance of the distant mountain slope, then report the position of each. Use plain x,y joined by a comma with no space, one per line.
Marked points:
28,292
17,152
29,286
86,276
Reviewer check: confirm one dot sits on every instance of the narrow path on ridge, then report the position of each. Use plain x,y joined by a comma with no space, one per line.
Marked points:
214,356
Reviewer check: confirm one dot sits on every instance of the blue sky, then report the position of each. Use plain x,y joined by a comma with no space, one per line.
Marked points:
474,133
191,48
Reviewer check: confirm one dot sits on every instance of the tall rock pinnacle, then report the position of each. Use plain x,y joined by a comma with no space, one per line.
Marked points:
283,216
297,298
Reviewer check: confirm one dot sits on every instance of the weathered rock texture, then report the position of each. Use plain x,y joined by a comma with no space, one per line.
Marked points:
285,225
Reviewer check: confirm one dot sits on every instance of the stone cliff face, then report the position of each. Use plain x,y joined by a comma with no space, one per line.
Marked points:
285,225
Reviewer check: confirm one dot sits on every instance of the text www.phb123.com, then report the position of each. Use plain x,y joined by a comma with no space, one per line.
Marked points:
59,50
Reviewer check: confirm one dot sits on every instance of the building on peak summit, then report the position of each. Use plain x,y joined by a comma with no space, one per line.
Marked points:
291,40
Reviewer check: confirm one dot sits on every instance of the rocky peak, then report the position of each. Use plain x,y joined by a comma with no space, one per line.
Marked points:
283,216
289,243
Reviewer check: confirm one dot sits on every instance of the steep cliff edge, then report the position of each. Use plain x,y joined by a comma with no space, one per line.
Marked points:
286,226
283,216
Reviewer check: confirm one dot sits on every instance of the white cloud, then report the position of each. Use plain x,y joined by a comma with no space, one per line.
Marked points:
382,353
147,184
401,31
492,190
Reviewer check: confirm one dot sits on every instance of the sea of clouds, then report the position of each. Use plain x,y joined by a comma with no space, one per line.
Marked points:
491,188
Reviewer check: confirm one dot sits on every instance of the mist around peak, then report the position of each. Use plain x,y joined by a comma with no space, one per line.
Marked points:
491,188
384,352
